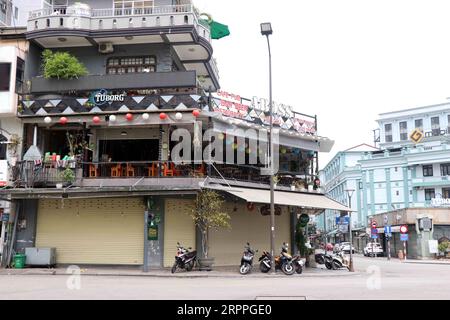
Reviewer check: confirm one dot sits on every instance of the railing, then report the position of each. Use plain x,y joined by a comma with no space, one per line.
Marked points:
110,12
29,174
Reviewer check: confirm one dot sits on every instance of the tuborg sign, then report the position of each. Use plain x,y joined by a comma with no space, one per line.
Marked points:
101,97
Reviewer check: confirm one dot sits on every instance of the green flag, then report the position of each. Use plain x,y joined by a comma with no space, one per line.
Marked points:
218,30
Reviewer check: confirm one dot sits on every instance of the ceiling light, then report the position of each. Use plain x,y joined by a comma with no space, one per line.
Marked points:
191,50
124,133
62,39
129,37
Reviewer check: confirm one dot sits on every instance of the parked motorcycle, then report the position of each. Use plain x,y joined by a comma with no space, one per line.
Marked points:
298,263
324,258
185,259
247,259
283,261
340,261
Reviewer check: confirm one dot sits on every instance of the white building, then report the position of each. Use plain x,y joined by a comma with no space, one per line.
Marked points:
402,174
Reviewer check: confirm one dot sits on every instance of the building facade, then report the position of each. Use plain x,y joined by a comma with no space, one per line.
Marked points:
101,152
405,173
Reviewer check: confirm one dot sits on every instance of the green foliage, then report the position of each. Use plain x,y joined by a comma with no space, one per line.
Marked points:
208,214
300,240
443,246
62,65
68,175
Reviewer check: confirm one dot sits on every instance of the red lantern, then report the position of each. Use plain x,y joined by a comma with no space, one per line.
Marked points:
63,120
129,117
196,113
96,119
163,116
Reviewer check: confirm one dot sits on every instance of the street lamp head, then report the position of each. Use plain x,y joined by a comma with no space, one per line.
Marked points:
350,192
266,29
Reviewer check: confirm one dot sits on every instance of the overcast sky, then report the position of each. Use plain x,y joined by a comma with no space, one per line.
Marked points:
344,60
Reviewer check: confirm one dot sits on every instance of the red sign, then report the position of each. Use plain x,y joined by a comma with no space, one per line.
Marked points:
404,229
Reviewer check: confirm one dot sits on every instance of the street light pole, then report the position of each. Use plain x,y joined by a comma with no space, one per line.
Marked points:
350,193
266,30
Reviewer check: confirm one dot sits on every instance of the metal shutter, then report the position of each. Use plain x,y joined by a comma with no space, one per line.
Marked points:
93,231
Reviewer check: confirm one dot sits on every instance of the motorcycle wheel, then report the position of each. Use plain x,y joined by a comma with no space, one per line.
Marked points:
245,268
328,265
190,266
174,267
298,269
288,268
263,268
336,265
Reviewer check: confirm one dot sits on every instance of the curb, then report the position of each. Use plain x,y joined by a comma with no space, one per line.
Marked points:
428,263
181,276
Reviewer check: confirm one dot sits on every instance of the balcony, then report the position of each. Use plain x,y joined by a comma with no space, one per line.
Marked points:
431,181
109,18
142,174
154,80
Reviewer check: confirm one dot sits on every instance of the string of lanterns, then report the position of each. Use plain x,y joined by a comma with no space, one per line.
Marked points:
129,117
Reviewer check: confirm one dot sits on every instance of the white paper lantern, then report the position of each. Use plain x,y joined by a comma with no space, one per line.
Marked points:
145,116
179,116
112,118
47,119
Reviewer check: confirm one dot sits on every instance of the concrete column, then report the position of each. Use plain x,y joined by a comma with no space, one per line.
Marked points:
372,192
406,187
388,188
364,192
361,218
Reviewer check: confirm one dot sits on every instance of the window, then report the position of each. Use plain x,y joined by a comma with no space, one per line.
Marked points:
397,193
446,193
403,126
448,124
435,127
16,13
427,170
445,169
388,132
5,71
429,194
19,75
128,7
131,65
418,123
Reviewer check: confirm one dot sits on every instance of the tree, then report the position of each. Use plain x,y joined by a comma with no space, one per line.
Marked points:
208,214
62,65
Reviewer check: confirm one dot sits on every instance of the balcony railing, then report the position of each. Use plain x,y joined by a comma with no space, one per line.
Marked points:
29,174
109,12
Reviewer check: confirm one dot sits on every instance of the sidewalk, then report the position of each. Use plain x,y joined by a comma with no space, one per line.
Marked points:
218,272
445,262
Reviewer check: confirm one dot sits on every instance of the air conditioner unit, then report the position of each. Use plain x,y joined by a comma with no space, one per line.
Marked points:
106,47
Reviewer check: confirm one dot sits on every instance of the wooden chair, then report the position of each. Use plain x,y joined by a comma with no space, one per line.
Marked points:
93,171
129,170
116,171
152,170
168,169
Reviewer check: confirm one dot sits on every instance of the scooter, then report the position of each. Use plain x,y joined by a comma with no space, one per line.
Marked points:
298,263
340,261
247,259
324,258
283,261
184,259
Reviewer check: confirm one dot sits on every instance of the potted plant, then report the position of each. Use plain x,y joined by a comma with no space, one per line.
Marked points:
276,179
310,186
67,176
62,65
208,214
301,185
442,247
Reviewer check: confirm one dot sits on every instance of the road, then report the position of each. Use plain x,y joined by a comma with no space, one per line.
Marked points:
376,279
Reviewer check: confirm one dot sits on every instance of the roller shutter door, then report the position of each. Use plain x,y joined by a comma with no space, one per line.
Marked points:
93,231
178,227
226,246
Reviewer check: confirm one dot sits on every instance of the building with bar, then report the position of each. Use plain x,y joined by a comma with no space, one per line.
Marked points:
101,152
406,175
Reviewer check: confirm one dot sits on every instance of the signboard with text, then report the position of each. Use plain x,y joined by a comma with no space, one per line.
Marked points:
3,173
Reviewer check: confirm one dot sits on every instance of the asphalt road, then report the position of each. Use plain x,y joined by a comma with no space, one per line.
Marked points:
376,278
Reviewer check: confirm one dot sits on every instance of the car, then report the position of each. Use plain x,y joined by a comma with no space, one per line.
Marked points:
345,247
373,249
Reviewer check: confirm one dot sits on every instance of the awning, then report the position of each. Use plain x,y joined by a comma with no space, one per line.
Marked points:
295,199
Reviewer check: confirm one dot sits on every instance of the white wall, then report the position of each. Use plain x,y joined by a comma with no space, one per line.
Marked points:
25,6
